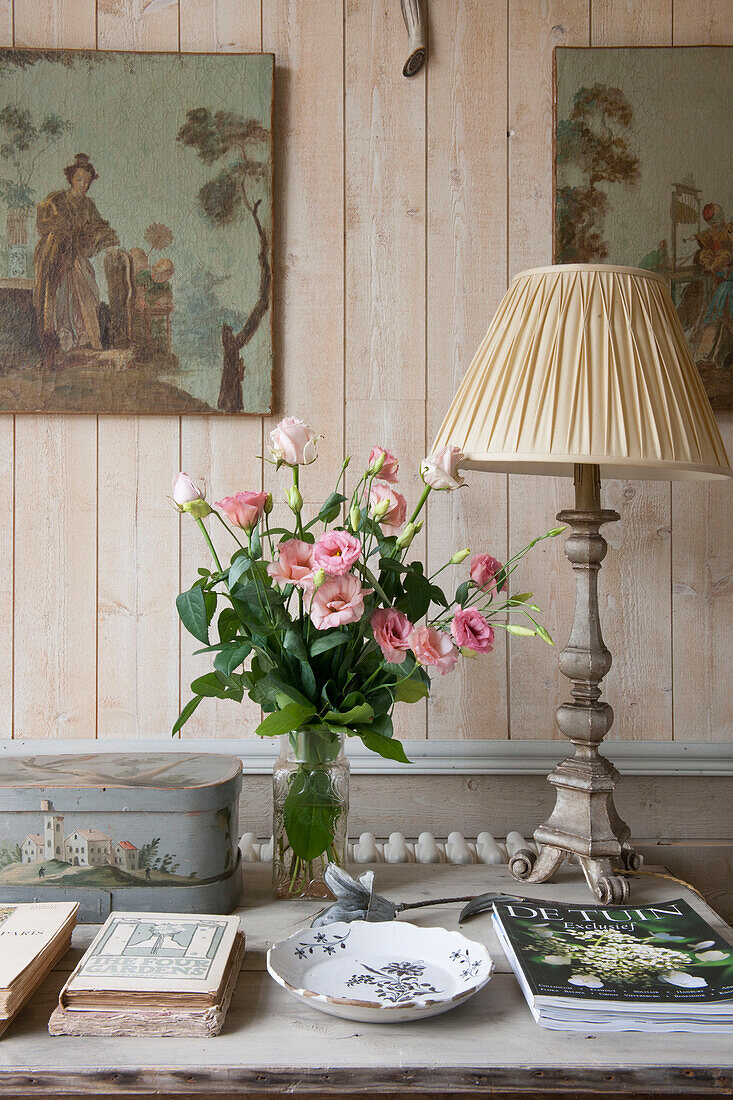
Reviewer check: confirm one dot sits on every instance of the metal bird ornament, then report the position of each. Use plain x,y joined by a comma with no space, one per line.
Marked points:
417,51
356,900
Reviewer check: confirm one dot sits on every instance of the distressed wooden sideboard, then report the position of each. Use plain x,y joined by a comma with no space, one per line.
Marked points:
273,1044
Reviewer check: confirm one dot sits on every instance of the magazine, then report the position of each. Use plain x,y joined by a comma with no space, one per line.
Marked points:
597,967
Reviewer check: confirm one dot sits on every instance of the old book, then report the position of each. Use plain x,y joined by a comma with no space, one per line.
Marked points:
33,937
153,974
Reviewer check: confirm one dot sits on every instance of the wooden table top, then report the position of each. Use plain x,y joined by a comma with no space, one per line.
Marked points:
272,1043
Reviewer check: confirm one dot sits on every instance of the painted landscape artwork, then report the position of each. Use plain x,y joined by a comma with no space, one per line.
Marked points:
135,232
642,178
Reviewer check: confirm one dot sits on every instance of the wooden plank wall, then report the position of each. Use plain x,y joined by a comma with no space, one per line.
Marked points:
403,207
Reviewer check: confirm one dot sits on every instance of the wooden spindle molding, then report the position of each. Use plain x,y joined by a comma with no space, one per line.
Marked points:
417,50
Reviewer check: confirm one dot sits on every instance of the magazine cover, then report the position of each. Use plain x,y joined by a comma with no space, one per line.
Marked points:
664,953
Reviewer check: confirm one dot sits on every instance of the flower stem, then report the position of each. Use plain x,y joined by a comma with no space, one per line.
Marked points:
210,543
423,497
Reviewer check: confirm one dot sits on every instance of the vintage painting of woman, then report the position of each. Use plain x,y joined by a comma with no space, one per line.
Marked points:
70,231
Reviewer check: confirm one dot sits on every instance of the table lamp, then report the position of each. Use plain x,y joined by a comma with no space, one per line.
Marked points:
585,371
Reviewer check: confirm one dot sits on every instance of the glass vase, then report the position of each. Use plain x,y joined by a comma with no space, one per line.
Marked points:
310,784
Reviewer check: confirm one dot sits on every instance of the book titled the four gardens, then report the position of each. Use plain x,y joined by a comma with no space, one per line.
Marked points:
660,967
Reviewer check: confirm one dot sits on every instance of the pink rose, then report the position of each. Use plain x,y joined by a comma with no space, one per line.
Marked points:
483,571
185,490
391,630
390,466
294,564
388,507
336,551
470,629
440,470
433,647
293,442
338,601
243,509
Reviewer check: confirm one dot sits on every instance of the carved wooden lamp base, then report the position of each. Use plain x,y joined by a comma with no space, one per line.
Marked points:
584,822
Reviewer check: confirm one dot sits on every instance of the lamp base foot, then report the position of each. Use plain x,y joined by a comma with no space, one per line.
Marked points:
606,885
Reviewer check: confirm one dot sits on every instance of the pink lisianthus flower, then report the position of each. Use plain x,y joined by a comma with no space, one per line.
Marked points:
390,507
392,629
483,570
336,551
440,470
338,601
185,490
433,647
293,442
243,509
294,564
470,629
390,466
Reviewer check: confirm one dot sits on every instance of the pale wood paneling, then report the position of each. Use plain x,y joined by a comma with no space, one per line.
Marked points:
138,644
702,546
467,259
636,574
56,509
535,28
385,128
7,504
308,310
220,452
400,209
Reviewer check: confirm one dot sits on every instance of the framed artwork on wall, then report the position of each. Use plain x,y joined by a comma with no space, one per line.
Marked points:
642,178
135,232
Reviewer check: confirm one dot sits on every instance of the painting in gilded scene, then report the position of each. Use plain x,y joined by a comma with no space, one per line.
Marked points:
135,232
642,178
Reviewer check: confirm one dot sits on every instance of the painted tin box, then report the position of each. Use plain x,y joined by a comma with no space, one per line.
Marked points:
145,831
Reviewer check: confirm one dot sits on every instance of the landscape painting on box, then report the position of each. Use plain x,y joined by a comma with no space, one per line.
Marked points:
135,232
642,178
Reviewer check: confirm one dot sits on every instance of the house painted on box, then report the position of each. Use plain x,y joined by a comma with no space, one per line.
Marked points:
32,848
82,848
88,848
124,855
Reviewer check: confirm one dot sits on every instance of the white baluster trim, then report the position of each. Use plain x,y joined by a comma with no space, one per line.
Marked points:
456,849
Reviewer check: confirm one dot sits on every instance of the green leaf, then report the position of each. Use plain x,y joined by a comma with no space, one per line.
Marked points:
238,568
520,631
361,713
410,690
391,565
284,721
328,641
462,593
311,813
186,713
330,510
209,686
230,659
193,613
255,545
210,605
383,746
382,724
418,590
521,598
293,643
274,686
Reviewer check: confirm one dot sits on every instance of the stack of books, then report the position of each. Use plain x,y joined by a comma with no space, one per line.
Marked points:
153,974
33,938
598,968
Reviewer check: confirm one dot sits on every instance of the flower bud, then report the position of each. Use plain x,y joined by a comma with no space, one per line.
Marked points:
459,556
407,536
294,499
466,652
419,526
268,505
197,508
318,578
380,510
376,466
185,490
355,516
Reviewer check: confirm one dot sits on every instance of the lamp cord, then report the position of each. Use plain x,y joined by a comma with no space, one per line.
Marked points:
662,874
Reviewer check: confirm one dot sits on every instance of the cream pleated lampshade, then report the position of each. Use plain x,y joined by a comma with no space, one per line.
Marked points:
586,364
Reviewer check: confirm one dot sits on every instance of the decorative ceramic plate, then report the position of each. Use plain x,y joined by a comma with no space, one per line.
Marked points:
380,972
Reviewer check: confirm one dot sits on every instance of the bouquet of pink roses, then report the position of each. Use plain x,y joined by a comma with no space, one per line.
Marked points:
327,625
